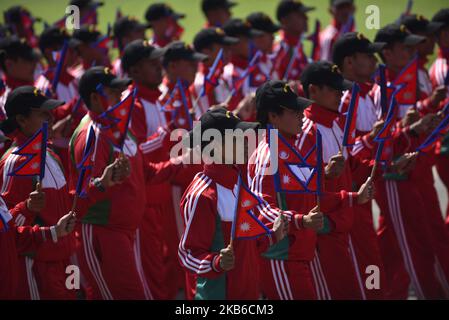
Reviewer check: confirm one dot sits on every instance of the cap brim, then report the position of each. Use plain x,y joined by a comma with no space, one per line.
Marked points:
231,4
227,40
343,85
340,2
178,16
197,56
245,125
305,9
433,27
413,39
299,104
51,104
374,47
156,53
255,33
95,4
119,83
275,28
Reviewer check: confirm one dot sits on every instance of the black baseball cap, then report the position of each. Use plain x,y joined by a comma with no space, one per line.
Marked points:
99,75
442,16
417,23
261,21
83,4
127,24
353,42
285,7
157,11
21,100
336,3
13,47
85,34
178,50
219,119
138,50
277,93
237,27
324,73
207,37
52,36
392,33
207,5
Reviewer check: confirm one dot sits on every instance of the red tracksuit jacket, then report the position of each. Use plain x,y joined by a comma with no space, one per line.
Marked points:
14,241
17,189
208,211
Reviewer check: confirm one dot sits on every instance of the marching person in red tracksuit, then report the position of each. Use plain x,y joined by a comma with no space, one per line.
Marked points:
404,235
285,270
163,20
342,12
16,240
290,58
209,42
126,30
216,269
108,221
141,61
354,55
42,273
217,12
334,265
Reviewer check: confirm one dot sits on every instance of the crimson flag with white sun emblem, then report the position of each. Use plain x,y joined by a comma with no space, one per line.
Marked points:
246,225
297,173
119,115
35,150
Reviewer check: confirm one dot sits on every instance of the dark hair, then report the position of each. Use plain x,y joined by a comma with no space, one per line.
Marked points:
3,57
10,125
389,47
262,114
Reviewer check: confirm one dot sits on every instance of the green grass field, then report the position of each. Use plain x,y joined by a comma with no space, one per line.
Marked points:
51,10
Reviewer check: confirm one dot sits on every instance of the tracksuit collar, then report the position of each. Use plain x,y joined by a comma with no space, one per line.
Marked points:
321,115
223,174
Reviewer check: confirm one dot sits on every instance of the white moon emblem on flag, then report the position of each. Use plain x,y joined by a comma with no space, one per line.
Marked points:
116,134
35,165
283,155
123,112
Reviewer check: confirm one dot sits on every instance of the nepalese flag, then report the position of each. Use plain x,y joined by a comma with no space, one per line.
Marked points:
86,164
35,150
90,18
59,66
437,133
118,14
120,115
315,38
351,117
409,78
297,174
390,120
179,104
383,89
104,43
211,80
407,12
5,216
238,81
246,225
60,23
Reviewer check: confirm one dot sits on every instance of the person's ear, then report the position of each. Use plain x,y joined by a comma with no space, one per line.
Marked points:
313,91
273,118
95,100
21,120
134,71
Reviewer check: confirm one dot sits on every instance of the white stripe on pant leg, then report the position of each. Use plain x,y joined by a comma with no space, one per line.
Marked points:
320,270
273,271
356,268
280,279
32,285
138,259
394,217
441,277
401,226
97,264
87,253
89,259
315,280
319,278
285,277
395,214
